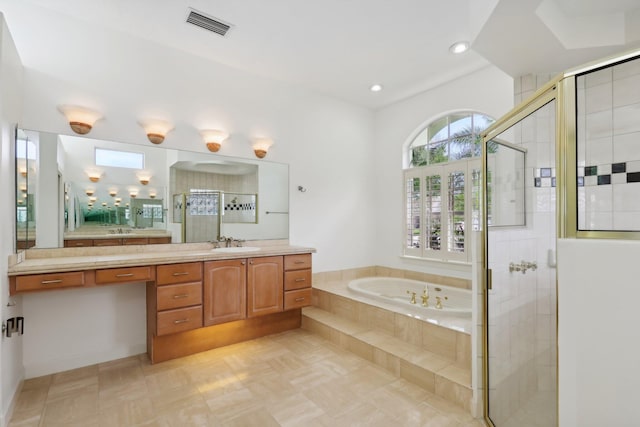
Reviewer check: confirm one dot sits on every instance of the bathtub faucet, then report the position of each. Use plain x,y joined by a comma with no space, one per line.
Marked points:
413,297
425,298
438,303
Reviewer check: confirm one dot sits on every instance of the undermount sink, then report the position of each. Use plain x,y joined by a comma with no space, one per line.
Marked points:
237,249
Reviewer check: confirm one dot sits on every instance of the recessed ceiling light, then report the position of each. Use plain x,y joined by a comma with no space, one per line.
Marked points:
459,47
376,88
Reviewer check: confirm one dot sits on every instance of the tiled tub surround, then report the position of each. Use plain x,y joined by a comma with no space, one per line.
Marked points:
608,158
426,353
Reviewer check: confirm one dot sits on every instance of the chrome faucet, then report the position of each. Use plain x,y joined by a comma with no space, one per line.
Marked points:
227,241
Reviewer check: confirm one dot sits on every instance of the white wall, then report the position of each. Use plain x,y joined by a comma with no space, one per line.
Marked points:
598,321
488,90
328,143
11,371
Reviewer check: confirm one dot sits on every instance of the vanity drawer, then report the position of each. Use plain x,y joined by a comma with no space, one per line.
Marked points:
179,320
122,275
182,295
179,273
78,243
297,262
107,242
297,279
135,241
297,299
159,240
50,281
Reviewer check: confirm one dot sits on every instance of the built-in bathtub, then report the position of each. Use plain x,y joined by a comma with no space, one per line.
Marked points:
443,300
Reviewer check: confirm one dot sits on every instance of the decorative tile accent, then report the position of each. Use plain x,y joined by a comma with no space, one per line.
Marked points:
604,179
618,167
545,172
590,170
581,181
633,177
537,182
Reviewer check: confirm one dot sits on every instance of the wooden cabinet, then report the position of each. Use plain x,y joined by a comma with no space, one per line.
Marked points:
225,291
78,243
174,303
297,281
82,243
264,286
159,240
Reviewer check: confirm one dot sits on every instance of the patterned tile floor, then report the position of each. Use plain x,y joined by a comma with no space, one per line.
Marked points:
290,379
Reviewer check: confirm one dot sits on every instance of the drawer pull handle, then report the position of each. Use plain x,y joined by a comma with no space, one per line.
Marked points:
298,262
184,273
177,322
124,275
51,282
299,299
180,296
299,280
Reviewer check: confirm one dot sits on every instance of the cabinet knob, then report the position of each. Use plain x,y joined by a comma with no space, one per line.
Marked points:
244,263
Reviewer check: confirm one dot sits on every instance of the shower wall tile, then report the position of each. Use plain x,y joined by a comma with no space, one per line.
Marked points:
626,69
600,98
626,91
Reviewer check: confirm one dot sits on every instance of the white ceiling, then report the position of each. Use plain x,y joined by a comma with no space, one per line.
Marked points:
340,47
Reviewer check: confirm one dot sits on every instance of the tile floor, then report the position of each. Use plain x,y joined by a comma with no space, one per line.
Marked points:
291,379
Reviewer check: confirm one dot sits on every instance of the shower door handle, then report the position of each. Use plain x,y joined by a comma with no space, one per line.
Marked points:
489,279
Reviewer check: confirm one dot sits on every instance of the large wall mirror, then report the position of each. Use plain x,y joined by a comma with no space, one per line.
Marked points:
75,191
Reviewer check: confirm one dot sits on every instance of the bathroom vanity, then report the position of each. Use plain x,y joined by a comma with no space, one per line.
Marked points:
198,298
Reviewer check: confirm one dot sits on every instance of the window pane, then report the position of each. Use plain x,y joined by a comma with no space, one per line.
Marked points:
438,130
413,212
438,152
455,220
119,159
419,156
433,210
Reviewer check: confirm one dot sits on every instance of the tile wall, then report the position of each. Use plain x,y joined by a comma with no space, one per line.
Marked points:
608,133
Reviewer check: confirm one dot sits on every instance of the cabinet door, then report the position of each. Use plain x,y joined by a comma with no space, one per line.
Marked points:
225,291
265,292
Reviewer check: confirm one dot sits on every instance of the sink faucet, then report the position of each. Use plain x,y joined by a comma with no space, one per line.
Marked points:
227,241
425,298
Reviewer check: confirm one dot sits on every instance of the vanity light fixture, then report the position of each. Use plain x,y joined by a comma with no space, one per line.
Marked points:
261,146
89,192
81,119
152,195
118,199
113,193
133,195
94,176
459,47
156,129
104,203
23,172
214,138
144,181
376,87
23,189
93,199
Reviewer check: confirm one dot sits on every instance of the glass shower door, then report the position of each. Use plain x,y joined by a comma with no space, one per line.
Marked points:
520,302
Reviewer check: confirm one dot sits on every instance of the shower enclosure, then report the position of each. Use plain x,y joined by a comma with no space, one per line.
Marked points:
564,163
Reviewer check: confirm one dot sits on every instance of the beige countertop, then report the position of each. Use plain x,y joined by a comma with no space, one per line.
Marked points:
37,261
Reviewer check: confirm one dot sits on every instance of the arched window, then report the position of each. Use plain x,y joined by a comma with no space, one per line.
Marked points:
442,187
449,138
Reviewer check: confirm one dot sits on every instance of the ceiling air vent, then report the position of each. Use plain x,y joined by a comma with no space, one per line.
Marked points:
208,23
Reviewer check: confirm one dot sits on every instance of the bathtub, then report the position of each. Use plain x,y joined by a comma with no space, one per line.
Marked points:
391,290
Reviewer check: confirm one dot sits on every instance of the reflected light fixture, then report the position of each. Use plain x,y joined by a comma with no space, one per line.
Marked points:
89,192
133,195
81,119
104,203
152,195
94,176
376,87
459,47
214,138
156,129
261,146
113,193
144,181
23,172
118,199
